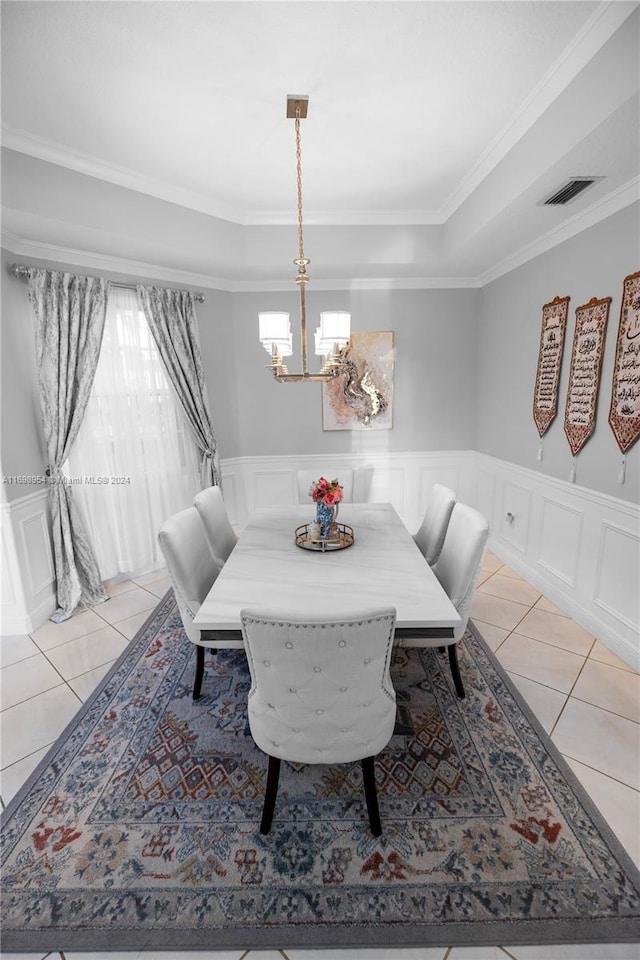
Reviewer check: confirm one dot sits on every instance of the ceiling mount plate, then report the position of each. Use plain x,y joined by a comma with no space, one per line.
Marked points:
293,102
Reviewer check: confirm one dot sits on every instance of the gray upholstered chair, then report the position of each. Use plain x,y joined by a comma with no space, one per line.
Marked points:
192,571
431,534
306,478
457,569
320,692
220,534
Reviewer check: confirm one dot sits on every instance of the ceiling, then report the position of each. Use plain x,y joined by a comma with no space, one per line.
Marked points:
441,125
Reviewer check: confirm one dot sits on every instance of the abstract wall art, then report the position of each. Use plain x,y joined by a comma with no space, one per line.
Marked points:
361,398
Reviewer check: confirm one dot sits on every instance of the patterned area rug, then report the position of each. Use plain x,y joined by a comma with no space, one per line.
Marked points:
139,830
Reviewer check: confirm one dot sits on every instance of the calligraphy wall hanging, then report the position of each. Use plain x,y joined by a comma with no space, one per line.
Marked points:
584,374
545,395
624,413
361,398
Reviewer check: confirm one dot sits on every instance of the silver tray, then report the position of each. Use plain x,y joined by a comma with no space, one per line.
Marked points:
340,538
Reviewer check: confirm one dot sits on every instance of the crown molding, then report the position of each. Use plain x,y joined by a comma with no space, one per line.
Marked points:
598,29
104,263
624,196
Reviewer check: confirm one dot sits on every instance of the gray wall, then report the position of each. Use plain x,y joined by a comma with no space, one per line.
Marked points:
435,342
592,264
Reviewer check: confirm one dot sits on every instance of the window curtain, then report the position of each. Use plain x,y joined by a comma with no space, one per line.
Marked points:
69,314
172,318
134,450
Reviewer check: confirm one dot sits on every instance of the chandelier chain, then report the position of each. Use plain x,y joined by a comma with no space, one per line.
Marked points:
299,183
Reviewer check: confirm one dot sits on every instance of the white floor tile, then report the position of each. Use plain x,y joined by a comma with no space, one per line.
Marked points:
618,804
506,571
577,951
129,627
545,702
603,655
490,562
124,606
35,723
555,630
477,953
116,587
146,578
79,656
26,679
610,688
29,956
510,588
601,740
12,778
159,587
493,636
52,634
15,648
548,607
85,684
552,666
500,613
363,953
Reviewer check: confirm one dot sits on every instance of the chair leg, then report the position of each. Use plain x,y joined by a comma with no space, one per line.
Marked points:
271,793
455,671
371,796
197,683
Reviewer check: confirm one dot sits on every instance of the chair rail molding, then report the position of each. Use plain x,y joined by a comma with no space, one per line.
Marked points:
28,576
577,546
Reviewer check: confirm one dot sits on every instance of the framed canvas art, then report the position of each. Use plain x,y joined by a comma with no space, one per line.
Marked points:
361,398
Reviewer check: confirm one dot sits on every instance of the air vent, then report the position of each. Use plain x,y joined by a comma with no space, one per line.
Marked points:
570,190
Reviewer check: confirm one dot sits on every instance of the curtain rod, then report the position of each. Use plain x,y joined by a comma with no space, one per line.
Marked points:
22,272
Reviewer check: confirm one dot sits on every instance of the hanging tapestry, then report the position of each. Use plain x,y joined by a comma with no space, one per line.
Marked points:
545,397
624,414
584,373
362,396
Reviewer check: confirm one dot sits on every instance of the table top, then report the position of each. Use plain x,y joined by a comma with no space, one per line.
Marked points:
266,570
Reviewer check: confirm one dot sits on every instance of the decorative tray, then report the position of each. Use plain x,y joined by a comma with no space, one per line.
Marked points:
340,537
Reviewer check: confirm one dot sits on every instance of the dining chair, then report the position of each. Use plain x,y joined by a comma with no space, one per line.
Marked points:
431,534
320,692
306,478
457,569
192,571
220,534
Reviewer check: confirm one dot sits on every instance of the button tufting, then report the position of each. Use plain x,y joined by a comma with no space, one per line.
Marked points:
289,645
319,712
368,660
345,730
267,663
292,690
316,670
342,643
271,706
343,689
367,704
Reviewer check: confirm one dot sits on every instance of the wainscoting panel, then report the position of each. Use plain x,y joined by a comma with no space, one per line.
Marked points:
560,538
578,547
617,586
28,572
516,510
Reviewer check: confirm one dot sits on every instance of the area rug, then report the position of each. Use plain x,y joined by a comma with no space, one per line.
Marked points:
139,830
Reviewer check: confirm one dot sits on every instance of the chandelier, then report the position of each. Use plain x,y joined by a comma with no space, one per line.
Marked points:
274,328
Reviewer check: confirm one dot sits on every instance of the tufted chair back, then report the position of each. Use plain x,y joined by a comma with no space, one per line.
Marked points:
430,536
220,534
321,691
192,571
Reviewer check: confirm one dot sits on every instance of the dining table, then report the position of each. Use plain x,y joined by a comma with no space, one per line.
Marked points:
272,568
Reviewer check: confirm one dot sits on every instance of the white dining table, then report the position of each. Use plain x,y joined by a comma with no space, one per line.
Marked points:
267,571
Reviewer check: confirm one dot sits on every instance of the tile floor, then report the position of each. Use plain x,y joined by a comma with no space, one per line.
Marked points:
586,698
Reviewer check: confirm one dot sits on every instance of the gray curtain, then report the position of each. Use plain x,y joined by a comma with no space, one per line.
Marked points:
69,312
171,316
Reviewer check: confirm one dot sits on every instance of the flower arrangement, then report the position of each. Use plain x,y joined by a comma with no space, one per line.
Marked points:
327,492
